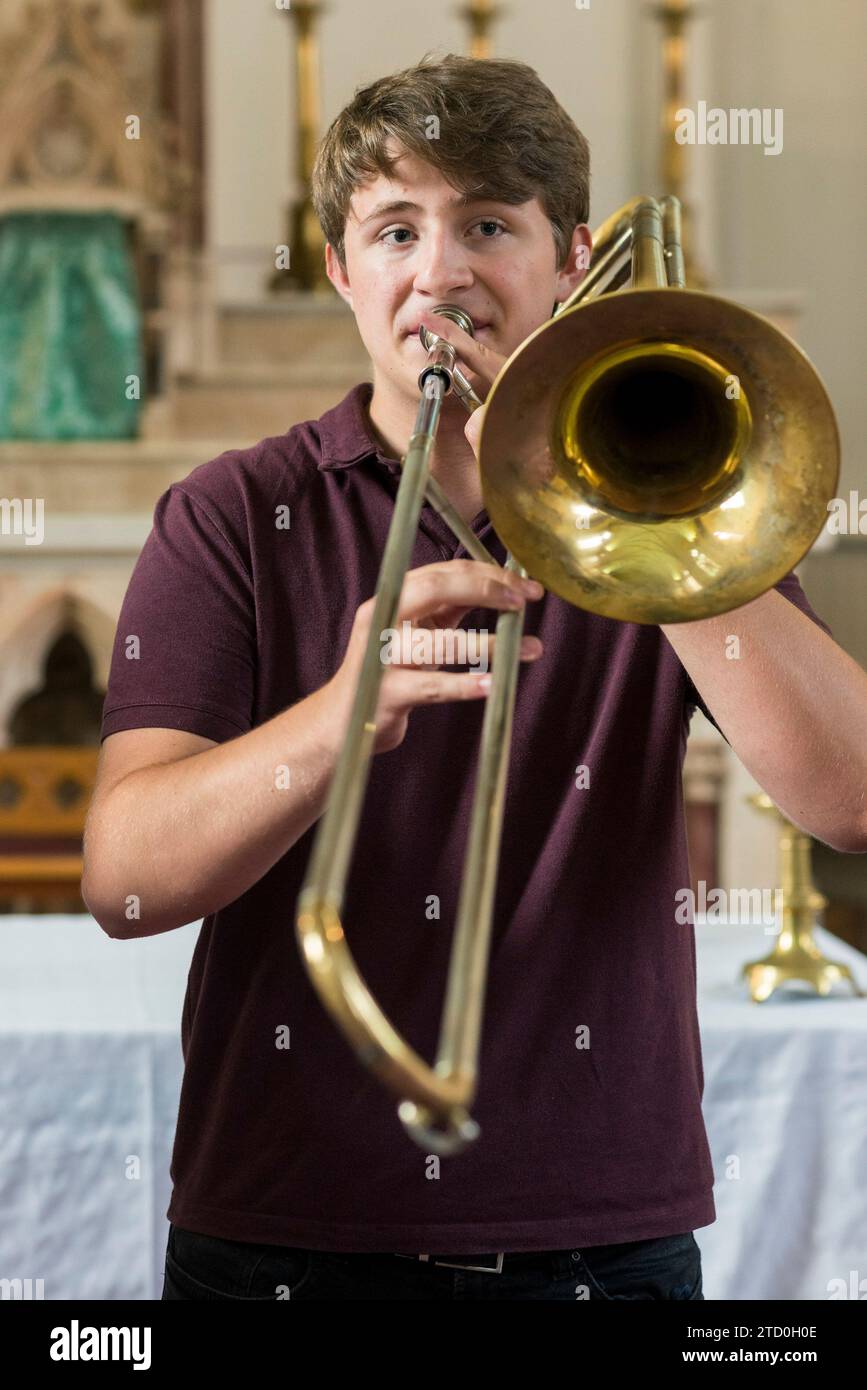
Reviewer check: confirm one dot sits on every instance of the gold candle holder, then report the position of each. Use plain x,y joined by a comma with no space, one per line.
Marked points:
306,270
795,955
481,15
675,17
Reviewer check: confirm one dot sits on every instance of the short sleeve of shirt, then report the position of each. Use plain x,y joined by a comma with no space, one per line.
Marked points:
184,654
789,586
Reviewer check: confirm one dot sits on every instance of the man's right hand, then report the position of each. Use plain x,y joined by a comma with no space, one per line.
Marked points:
434,597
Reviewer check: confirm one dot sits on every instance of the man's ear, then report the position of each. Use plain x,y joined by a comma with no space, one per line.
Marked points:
577,262
337,274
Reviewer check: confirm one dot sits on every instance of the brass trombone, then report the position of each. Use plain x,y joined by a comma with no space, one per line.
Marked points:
650,456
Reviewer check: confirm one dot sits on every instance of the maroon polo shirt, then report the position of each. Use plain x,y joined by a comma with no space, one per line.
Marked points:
238,618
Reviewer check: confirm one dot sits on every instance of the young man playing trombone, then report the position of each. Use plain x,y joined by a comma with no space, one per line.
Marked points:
292,1176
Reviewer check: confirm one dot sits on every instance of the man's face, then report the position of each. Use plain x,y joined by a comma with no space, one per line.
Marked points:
412,241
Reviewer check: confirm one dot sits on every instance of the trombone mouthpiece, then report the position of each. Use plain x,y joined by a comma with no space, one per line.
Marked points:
446,311
441,354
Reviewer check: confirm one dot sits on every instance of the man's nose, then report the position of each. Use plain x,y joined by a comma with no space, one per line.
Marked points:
443,265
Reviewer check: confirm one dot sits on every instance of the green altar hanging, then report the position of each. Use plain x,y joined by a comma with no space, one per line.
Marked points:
70,328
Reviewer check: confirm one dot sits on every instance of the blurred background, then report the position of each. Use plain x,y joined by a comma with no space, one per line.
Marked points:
162,300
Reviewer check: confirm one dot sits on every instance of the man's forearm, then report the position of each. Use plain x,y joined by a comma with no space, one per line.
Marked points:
185,838
793,706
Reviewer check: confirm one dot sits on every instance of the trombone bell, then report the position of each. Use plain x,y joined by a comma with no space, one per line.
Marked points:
658,455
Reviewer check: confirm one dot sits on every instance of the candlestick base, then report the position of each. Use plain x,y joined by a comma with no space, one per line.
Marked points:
795,955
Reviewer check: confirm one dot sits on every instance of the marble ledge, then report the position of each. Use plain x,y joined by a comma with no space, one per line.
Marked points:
88,534
144,452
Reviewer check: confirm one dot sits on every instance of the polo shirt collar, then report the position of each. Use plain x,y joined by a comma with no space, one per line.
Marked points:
346,436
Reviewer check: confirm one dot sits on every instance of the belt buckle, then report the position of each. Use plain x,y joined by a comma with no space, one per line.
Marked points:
481,1269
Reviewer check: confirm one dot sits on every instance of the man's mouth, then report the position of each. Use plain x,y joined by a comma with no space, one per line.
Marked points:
479,326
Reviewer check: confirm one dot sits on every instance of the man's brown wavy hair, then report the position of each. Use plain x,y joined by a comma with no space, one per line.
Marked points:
502,135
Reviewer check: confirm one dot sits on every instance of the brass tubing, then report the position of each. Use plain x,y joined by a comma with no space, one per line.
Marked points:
330,857
462,532
457,1054
672,234
320,931
610,260
648,259
433,1101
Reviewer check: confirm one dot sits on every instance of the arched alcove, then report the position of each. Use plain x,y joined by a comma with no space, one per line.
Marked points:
25,649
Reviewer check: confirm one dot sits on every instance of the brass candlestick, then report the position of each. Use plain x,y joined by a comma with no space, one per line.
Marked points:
675,17
481,16
306,270
795,955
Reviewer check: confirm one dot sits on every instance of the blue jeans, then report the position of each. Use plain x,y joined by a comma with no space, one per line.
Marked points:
205,1267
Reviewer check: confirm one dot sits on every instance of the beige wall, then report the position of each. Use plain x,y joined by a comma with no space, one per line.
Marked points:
796,221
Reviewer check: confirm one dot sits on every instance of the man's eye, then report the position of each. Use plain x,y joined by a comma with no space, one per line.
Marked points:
490,222
396,231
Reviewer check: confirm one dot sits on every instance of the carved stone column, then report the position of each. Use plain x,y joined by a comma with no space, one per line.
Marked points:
181,81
